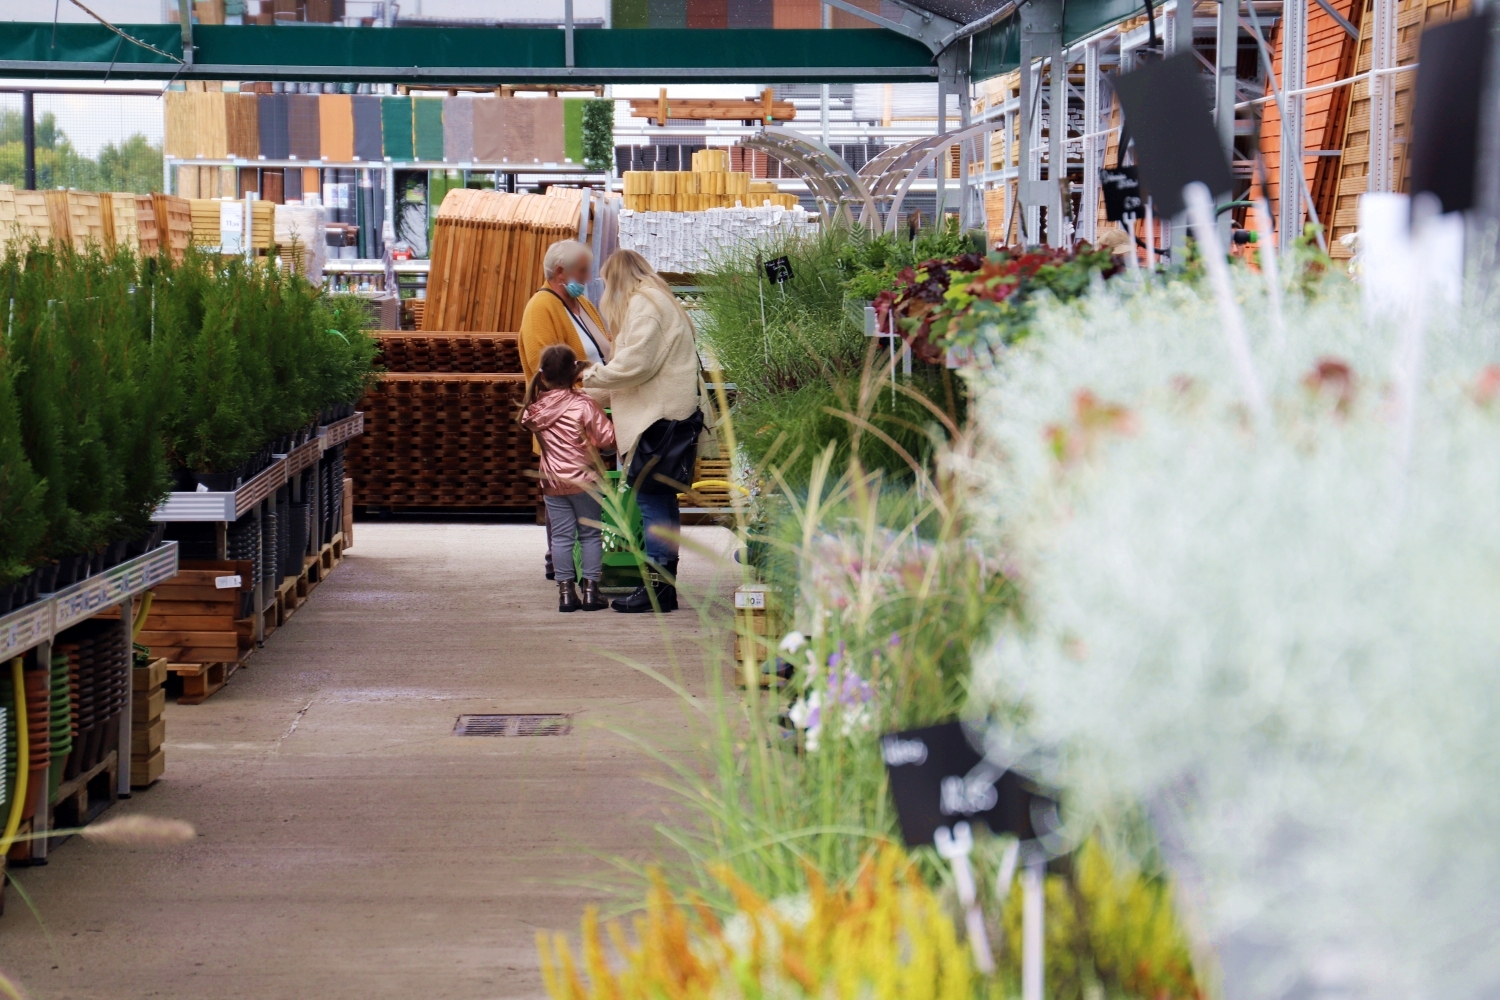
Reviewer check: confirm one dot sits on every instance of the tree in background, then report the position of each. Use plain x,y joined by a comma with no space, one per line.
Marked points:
134,165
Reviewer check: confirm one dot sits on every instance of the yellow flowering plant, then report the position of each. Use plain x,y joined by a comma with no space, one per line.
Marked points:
884,937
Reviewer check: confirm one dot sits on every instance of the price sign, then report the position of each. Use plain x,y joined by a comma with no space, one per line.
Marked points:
939,779
1122,193
779,270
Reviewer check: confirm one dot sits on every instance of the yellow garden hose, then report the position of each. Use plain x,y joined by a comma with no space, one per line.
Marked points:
722,484
140,618
23,753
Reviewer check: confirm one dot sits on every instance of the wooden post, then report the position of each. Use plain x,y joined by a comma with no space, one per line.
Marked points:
765,96
661,107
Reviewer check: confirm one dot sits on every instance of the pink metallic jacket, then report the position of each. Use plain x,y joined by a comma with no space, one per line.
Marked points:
572,429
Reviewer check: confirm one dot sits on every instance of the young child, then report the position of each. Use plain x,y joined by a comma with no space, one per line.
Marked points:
572,429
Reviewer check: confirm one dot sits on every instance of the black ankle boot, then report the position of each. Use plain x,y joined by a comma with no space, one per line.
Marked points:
592,599
567,597
550,574
639,601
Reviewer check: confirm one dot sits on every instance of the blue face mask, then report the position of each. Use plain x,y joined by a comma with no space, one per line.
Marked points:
575,289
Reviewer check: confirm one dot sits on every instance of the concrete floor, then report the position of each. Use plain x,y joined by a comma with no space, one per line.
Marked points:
348,845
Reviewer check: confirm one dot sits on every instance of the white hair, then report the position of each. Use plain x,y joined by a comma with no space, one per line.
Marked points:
564,254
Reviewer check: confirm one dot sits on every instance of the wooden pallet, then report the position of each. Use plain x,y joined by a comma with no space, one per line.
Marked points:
80,799
200,681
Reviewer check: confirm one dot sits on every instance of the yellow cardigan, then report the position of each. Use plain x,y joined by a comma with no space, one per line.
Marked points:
546,322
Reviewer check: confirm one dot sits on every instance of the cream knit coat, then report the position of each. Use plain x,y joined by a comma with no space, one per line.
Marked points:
654,371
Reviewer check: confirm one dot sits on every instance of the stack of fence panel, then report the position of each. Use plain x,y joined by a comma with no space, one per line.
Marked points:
440,426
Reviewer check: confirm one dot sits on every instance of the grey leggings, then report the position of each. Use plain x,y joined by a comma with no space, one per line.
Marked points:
565,516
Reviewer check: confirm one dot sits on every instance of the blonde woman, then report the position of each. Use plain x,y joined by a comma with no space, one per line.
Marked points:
652,382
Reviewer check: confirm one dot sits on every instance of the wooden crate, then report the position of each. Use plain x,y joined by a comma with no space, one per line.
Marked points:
148,728
193,621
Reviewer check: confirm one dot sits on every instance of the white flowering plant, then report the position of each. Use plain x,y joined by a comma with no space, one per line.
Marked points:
1276,636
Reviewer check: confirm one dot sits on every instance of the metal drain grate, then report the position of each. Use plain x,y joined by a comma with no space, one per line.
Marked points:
513,725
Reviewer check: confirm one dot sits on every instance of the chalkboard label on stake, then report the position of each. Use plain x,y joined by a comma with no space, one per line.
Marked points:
939,779
1173,128
1122,193
779,270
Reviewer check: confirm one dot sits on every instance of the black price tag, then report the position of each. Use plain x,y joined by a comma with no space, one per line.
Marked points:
1445,119
1122,193
779,270
938,779
1173,127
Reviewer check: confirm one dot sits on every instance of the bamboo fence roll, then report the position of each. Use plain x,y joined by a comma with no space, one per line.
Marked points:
487,254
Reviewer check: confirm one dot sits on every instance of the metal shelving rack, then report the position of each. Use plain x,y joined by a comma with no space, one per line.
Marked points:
34,626
224,508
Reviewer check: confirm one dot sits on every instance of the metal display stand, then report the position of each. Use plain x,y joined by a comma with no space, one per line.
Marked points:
256,496
38,623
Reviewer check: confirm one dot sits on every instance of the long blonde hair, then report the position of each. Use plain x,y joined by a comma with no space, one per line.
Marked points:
625,273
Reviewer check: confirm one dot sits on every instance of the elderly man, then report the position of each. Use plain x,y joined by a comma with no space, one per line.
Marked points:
559,314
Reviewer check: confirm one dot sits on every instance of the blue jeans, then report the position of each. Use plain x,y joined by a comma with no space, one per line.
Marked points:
660,510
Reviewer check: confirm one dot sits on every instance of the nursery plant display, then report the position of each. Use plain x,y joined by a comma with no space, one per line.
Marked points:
1266,629
120,376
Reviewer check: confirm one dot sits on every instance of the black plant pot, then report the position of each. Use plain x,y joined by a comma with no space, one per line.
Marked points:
96,562
183,481
7,598
158,534
67,571
117,552
43,580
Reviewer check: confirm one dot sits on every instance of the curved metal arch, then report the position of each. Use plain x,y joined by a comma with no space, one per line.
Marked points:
839,190
916,159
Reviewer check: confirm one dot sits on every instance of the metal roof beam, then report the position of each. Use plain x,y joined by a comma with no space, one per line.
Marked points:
922,25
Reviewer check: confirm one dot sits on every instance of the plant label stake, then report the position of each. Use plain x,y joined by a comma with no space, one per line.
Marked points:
1201,215
942,785
1033,913
779,270
955,848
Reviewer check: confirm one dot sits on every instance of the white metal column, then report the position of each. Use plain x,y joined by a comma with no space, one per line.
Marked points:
1057,143
940,163
823,93
1093,147
1226,58
1382,96
1294,79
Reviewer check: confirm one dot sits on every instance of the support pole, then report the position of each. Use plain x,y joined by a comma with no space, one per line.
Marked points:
127,714
965,105
1382,95
568,33
940,164
1226,58
1175,231
1093,149
1289,206
1041,37
28,136
823,93
1033,950
1057,142
41,822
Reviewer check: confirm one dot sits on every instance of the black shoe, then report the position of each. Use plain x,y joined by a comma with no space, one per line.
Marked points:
639,601
592,599
567,597
550,574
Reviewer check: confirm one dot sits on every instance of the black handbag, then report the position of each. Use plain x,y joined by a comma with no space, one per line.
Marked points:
666,455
